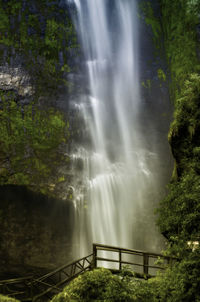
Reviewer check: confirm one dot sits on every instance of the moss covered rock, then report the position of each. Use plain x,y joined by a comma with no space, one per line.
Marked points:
40,36
37,50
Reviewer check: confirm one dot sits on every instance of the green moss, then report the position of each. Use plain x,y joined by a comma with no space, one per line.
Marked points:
179,211
39,32
161,75
175,173
61,179
153,22
179,20
43,36
146,84
185,128
30,138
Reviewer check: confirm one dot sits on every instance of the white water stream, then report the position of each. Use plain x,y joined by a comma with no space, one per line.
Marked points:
120,173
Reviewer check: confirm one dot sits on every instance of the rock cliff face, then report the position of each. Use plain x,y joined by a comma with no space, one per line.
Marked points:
36,232
37,48
17,80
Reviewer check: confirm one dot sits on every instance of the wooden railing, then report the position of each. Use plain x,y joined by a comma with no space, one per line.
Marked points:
139,261
52,283
32,289
18,288
114,258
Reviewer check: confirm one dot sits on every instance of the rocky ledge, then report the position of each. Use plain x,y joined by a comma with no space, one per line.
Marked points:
16,79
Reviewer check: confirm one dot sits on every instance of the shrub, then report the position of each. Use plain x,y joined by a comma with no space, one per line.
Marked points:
7,299
102,285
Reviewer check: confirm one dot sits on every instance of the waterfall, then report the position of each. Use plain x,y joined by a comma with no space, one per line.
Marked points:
114,207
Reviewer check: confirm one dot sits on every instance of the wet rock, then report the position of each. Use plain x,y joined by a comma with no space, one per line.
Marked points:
36,231
16,79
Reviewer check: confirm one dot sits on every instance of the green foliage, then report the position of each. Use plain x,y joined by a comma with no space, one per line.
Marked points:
7,299
179,21
101,285
179,212
181,282
161,75
152,21
193,7
146,84
40,36
183,135
29,139
178,284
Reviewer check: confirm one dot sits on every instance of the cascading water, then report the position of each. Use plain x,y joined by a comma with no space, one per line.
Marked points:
118,168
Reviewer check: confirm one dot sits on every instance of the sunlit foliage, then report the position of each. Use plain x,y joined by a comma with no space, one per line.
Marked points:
179,211
30,138
7,299
102,285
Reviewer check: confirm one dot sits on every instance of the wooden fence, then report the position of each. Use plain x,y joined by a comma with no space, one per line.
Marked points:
120,257
46,286
52,283
114,258
17,288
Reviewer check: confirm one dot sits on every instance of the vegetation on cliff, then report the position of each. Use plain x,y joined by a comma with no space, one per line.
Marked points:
38,37
179,23
179,212
42,33
27,136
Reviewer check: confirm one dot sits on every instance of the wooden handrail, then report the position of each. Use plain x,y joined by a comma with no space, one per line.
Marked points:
35,288
62,268
16,280
109,248
48,284
146,257
81,265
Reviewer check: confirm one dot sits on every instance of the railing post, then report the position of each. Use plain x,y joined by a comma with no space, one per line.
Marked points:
94,265
145,263
120,260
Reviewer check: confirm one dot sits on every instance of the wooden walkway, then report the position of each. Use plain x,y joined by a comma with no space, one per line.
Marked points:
46,286
114,258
